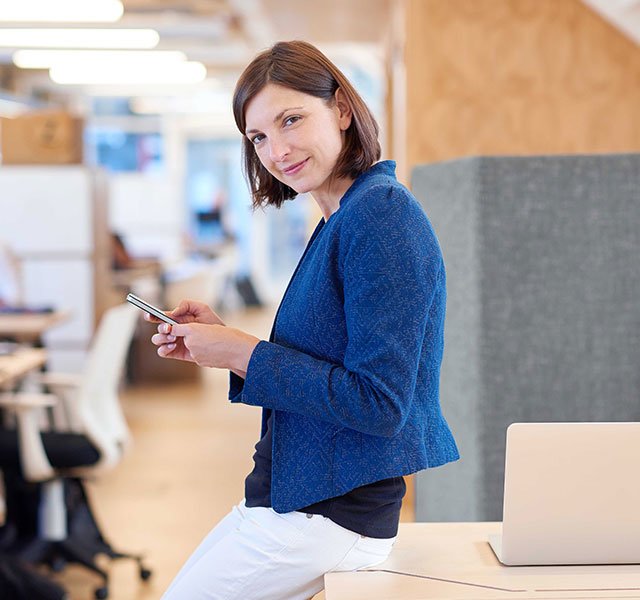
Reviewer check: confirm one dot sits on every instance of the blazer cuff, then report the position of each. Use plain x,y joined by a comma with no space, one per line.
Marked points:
237,385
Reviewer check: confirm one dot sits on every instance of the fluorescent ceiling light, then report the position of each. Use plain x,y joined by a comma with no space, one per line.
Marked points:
57,11
79,38
211,103
150,74
45,59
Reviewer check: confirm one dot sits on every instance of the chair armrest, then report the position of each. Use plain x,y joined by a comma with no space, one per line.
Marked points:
33,458
66,386
27,400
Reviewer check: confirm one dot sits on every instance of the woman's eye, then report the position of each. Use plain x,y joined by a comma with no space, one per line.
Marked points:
256,139
291,120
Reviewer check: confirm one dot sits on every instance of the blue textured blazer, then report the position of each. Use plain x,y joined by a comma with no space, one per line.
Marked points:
352,369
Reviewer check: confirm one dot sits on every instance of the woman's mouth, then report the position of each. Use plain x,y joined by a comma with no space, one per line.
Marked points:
293,169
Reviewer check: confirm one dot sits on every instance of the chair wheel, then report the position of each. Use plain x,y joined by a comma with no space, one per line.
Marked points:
145,573
102,593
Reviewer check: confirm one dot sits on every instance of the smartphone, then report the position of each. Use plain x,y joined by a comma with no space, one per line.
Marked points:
152,310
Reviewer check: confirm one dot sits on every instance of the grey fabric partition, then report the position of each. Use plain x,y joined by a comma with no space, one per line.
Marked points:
543,312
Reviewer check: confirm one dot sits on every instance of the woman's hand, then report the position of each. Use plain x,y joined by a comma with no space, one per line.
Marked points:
214,345
190,311
203,338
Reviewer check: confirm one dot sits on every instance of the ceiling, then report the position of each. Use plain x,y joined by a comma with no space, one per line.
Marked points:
225,34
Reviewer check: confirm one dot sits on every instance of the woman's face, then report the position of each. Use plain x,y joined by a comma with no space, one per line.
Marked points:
297,137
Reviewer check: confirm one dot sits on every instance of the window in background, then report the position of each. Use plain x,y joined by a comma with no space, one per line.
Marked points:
210,191
120,151
120,141
288,235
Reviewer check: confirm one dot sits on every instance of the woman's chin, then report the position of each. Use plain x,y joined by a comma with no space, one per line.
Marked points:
299,188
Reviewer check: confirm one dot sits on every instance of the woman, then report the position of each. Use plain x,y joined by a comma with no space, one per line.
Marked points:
348,380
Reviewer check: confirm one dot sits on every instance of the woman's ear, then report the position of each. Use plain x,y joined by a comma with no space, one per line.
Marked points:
345,114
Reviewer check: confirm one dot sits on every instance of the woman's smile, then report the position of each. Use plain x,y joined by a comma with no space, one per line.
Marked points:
295,168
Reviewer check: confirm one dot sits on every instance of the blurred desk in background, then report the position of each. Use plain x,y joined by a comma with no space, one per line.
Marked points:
29,327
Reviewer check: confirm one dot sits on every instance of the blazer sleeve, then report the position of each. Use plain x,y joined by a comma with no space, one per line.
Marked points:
392,268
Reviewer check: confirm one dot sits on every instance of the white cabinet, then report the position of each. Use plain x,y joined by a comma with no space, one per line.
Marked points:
54,219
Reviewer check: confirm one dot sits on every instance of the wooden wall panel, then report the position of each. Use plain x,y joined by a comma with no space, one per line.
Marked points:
517,77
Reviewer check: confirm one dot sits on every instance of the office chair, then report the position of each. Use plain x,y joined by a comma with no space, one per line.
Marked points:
89,435
20,581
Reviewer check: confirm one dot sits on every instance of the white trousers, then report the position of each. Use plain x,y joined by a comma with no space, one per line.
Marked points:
258,554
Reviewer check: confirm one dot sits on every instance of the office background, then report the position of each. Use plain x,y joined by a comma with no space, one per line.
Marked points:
447,80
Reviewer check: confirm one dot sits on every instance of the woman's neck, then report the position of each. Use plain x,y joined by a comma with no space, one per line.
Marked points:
329,199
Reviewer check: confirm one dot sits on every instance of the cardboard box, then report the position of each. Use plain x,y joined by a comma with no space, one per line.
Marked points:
42,138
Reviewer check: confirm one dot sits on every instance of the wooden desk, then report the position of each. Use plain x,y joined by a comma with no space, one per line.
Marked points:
454,561
17,365
29,327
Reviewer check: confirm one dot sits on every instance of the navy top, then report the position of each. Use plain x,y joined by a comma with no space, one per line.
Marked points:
349,381
372,510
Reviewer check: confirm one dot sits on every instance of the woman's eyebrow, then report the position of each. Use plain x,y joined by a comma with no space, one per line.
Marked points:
276,118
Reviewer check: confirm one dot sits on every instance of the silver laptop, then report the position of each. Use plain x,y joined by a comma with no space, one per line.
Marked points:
571,495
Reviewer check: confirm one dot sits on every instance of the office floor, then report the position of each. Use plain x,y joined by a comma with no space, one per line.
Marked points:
191,452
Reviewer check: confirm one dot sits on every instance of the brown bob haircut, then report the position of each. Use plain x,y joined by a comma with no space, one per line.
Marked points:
302,67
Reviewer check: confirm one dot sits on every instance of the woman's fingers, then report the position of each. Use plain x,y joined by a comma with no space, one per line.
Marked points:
191,308
164,328
195,311
166,349
160,338
187,307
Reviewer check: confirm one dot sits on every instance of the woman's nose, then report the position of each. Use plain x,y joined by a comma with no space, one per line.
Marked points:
278,150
